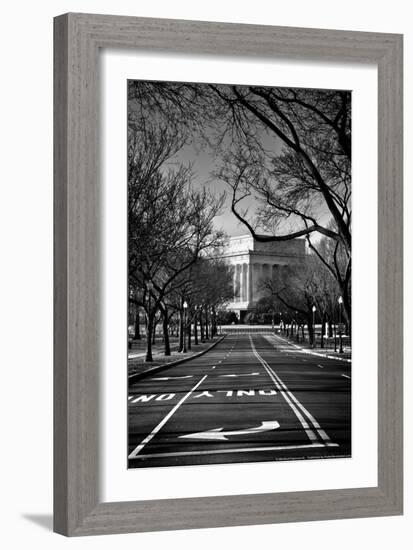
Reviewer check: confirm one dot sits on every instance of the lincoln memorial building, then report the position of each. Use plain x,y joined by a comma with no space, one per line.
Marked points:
252,261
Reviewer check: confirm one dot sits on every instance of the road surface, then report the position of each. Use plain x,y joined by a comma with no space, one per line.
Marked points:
252,398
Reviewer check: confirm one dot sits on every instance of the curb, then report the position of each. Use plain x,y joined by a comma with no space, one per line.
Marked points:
314,352
136,355
134,377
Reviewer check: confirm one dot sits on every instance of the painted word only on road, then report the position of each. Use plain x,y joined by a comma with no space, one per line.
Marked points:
145,398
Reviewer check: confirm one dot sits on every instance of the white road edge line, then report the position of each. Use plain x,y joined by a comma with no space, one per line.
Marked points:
311,352
229,451
165,420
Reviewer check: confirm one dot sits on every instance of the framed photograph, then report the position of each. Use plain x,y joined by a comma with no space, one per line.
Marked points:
227,352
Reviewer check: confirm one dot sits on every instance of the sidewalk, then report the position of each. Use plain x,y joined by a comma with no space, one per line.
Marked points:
156,350
320,352
137,364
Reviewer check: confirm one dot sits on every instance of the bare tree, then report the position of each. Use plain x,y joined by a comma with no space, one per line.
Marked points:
298,167
170,224
300,288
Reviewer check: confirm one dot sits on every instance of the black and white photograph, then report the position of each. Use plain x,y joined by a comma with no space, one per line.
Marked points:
239,273
206,236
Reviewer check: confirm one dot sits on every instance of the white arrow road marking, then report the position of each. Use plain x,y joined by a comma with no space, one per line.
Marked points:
217,433
236,375
173,377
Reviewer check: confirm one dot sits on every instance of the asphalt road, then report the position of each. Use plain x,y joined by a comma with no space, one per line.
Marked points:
252,398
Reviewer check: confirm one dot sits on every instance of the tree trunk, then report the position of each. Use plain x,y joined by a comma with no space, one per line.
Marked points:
154,332
206,325
137,324
165,327
188,332
311,331
149,330
330,328
196,329
201,326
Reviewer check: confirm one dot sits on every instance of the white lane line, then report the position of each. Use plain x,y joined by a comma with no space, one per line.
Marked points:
246,450
314,422
310,417
310,433
165,420
237,375
320,366
173,377
345,376
316,425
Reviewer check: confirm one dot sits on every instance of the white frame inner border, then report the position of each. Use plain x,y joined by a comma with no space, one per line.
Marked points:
117,483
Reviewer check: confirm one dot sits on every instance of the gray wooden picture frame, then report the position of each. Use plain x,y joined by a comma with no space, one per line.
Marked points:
77,506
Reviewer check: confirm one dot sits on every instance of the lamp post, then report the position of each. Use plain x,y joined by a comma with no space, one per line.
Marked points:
340,333
149,286
297,326
314,309
196,325
185,306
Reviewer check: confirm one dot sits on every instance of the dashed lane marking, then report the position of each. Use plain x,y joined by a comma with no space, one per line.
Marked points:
345,376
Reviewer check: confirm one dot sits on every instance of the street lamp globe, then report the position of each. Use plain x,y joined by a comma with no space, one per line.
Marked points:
185,304
314,309
340,300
